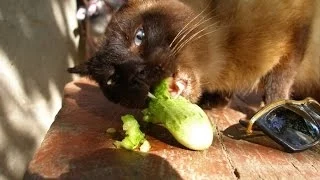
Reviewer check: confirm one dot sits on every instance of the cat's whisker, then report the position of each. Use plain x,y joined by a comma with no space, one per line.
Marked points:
202,21
190,40
185,27
194,37
205,34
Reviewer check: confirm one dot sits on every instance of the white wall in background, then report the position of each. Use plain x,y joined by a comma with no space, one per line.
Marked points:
37,44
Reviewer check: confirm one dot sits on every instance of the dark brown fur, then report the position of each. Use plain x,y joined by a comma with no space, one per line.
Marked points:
242,44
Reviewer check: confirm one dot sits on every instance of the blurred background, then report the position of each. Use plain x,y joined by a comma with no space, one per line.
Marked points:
37,44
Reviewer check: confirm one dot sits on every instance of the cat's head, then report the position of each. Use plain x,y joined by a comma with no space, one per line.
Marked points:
138,51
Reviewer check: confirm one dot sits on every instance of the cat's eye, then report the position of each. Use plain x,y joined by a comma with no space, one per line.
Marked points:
139,37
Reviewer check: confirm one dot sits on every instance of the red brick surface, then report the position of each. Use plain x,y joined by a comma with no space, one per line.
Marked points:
78,147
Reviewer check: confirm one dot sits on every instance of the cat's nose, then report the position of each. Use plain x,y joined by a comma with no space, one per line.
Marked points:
130,71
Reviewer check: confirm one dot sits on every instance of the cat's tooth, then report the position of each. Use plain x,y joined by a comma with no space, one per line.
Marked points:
92,9
81,14
109,82
150,95
181,87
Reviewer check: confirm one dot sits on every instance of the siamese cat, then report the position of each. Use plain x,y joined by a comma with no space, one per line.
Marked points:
209,46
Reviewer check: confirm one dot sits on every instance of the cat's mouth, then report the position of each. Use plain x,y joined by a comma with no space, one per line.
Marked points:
178,86
185,83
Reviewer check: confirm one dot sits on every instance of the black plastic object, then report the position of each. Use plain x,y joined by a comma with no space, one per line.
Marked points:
293,124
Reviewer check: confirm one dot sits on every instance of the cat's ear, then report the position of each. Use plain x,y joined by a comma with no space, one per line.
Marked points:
81,69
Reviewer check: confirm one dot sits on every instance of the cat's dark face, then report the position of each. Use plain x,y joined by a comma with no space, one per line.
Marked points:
135,55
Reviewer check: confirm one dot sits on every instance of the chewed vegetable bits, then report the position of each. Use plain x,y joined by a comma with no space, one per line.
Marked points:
134,137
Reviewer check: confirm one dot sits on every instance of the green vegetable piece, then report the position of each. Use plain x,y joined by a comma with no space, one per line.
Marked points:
134,137
187,122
